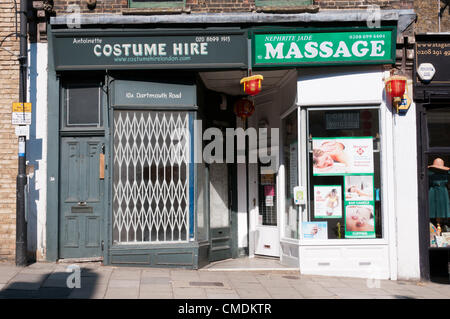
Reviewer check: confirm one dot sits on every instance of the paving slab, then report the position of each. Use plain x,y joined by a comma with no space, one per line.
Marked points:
184,275
249,278
247,285
332,283
312,290
5,278
120,293
155,288
26,281
189,293
246,293
126,274
283,293
86,292
99,279
124,283
422,291
275,283
200,284
155,272
354,297
155,281
155,295
42,265
221,294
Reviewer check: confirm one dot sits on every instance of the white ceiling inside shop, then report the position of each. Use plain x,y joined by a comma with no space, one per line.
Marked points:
228,81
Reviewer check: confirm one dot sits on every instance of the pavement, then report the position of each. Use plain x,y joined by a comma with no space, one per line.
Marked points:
218,281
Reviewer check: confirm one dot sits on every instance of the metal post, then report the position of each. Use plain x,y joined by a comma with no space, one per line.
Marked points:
21,223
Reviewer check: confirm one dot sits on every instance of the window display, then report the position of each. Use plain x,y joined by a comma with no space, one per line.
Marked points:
438,199
344,172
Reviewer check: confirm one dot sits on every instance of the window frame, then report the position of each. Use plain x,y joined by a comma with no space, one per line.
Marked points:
157,4
282,202
64,127
384,240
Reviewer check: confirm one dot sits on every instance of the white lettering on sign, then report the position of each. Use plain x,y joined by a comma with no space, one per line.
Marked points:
150,49
147,95
325,49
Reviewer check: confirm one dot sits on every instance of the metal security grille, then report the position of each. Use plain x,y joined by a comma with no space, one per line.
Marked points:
151,177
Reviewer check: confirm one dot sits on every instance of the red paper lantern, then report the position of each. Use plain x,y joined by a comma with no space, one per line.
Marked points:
244,108
395,89
395,86
252,84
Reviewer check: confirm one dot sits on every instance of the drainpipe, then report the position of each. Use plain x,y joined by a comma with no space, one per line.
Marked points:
21,223
439,15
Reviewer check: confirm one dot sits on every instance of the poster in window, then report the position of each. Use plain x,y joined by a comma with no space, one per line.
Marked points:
327,201
315,230
342,155
359,206
269,201
359,221
359,188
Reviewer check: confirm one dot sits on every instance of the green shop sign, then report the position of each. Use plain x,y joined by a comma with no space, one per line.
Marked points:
170,49
368,46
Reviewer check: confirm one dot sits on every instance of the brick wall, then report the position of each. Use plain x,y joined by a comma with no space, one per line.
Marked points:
361,4
427,16
217,6
9,84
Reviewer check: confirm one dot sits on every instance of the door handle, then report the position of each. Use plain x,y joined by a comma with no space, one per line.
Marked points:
81,203
102,166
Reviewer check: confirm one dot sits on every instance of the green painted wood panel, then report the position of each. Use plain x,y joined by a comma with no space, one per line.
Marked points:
81,197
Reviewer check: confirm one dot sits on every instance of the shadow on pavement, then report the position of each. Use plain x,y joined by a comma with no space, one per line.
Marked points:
36,284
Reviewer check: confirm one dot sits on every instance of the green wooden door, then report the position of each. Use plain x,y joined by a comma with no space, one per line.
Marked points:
81,197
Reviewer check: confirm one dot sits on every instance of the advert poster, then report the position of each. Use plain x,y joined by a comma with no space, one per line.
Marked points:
342,155
359,187
359,206
359,221
327,201
315,230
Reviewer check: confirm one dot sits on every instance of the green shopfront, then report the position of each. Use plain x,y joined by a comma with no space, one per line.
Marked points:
127,179
126,184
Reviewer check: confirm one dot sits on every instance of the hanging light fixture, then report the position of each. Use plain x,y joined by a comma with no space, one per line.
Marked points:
244,108
395,89
252,84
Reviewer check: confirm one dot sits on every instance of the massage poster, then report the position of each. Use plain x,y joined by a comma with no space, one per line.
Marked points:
359,206
315,230
327,201
342,155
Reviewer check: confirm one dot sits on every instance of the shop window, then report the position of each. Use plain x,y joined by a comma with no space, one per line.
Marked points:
82,105
344,189
438,199
282,3
290,159
156,3
439,214
438,122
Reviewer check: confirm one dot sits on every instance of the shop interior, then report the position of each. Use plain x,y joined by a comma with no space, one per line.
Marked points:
438,175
